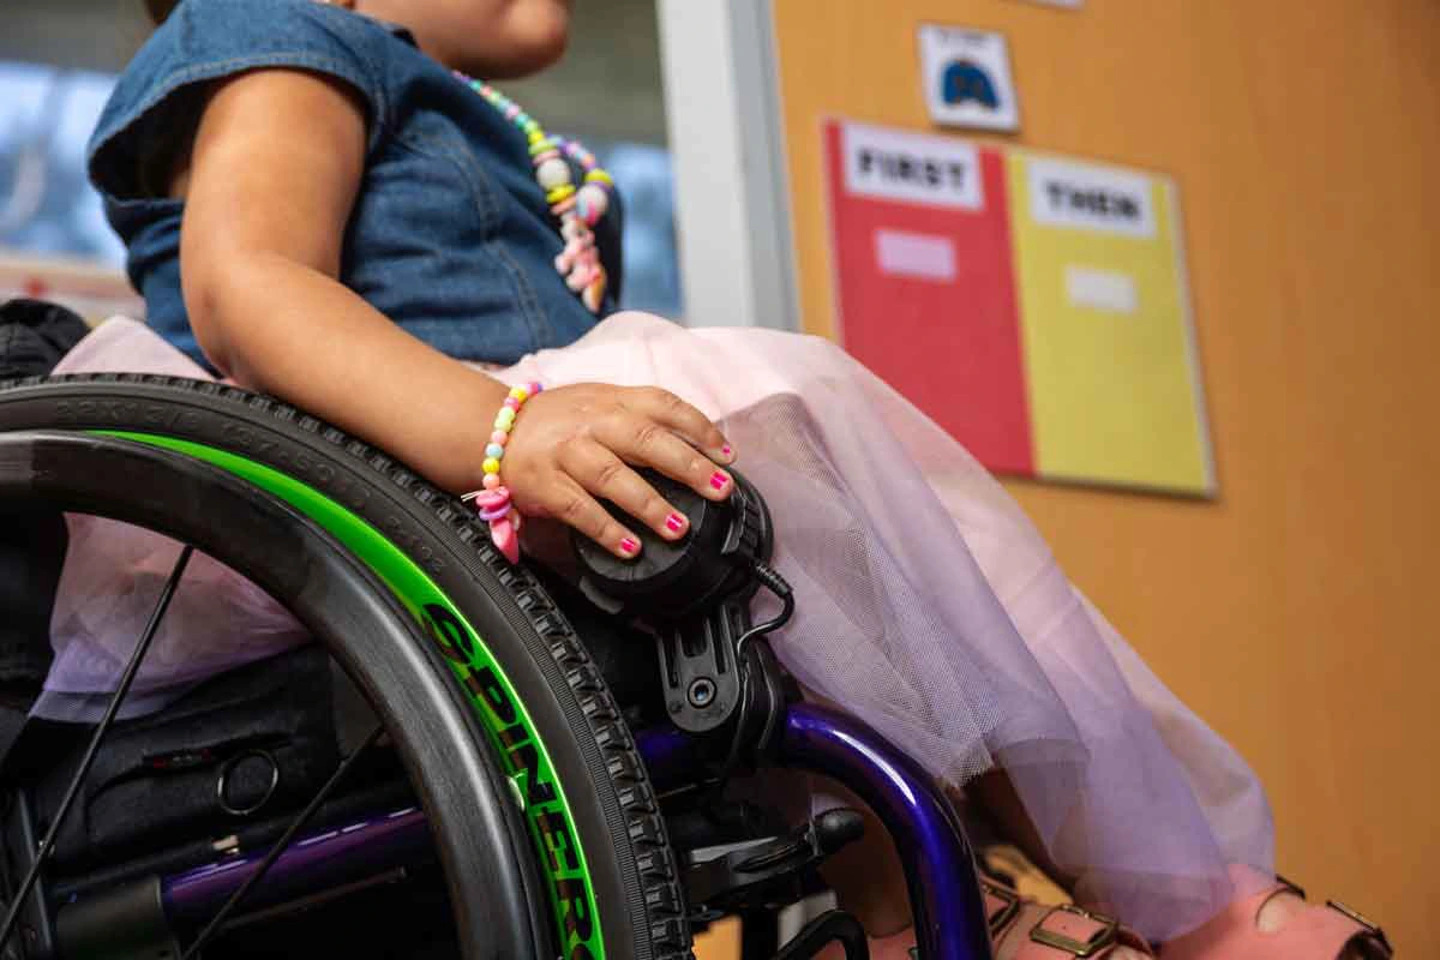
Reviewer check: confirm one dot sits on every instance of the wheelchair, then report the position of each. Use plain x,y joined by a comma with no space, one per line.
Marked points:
503,793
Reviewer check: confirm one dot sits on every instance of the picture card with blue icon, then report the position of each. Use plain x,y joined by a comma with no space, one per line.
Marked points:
967,78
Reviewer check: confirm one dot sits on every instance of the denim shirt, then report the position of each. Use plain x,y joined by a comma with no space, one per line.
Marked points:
450,236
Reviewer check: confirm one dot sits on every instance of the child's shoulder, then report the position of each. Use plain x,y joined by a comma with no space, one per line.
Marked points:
214,37
206,40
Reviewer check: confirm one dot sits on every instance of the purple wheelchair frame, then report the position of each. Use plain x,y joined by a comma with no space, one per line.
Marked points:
945,897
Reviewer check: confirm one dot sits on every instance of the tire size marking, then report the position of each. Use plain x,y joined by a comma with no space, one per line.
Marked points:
550,826
523,754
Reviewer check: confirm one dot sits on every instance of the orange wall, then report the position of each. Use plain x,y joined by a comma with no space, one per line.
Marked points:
1293,613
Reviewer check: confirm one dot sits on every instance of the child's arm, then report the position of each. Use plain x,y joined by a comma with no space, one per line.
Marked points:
271,179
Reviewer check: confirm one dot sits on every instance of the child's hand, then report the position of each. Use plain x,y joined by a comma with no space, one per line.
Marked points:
573,444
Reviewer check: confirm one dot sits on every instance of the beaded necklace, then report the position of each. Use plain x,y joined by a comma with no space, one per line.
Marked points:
578,210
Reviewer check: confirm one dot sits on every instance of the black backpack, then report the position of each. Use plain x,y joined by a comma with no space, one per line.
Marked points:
33,337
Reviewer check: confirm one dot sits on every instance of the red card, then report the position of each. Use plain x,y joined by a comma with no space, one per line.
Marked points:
925,287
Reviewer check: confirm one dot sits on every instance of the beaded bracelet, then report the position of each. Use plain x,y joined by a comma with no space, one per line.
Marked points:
493,502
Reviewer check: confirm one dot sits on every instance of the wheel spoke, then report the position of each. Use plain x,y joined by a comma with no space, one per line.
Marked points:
47,845
281,844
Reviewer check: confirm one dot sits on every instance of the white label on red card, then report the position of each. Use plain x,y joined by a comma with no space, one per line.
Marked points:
916,256
912,168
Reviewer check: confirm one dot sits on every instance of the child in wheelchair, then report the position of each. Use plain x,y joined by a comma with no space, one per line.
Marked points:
319,202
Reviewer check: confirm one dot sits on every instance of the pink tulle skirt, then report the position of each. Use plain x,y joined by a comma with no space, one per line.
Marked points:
927,604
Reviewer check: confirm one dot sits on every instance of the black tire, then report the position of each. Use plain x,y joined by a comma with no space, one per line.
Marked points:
606,795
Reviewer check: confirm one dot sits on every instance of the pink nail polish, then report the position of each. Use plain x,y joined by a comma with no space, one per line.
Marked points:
726,451
675,522
718,480
628,545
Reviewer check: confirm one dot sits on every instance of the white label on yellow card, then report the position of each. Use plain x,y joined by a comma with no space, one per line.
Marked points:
1090,197
1107,290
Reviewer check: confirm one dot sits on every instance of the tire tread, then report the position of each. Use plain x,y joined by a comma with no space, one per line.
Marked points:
605,728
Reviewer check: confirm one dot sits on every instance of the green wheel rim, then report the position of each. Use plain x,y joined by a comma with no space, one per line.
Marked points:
507,723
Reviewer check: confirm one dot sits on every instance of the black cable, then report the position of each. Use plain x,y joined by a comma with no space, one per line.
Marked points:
281,844
777,585
47,846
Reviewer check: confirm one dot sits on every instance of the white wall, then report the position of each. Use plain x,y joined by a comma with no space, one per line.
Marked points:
732,199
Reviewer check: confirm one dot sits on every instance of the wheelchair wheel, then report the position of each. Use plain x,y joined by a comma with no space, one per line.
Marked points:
548,831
